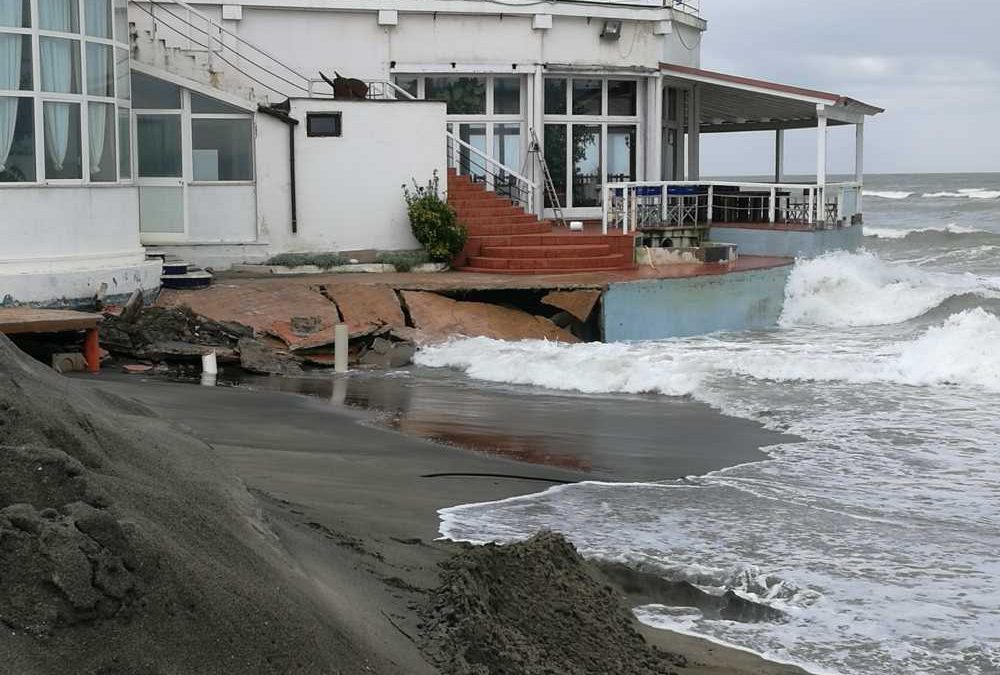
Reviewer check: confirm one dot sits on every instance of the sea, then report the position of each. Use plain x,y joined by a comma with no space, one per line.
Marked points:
878,533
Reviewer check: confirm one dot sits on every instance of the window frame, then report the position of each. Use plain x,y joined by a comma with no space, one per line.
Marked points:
82,99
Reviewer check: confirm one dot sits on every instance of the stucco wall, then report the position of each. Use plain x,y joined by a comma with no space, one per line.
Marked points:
349,187
789,244
664,308
60,244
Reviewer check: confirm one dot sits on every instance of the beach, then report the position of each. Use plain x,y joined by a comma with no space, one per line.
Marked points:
355,503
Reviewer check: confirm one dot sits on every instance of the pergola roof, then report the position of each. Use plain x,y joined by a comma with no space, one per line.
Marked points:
735,103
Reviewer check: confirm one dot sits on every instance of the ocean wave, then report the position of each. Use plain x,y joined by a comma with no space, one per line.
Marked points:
860,289
902,232
968,193
960,351
886,194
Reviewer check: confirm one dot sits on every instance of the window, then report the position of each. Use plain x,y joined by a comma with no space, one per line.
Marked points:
621,153
158,139
17,139
587,96
555,157
506,96
409,84
124,144
15,13
203,104
587,177
221,149
101,137
63,152
60,61
54,114
97,18
100,70
464,95
555,96
323,124
150,93
15,62
59,15
123,75
622,98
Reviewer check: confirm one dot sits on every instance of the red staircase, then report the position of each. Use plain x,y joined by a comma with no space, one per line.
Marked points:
505,239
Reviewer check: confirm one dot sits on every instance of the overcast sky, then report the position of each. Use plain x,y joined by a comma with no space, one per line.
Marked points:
934,66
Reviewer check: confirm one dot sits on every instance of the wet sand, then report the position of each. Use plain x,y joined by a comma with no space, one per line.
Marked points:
355,504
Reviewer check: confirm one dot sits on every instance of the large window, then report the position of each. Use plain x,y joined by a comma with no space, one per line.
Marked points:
591,136
219,136
484,111
62,126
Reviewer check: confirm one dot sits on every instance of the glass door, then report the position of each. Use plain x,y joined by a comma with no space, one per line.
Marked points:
160,176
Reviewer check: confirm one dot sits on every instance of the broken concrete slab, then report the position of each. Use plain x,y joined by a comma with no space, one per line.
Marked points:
578,303
393,355
257,357
173,350
285,331
364,305
440,318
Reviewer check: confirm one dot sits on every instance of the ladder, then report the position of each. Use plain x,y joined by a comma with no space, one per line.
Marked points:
550,189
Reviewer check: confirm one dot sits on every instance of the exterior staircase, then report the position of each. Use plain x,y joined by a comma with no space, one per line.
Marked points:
504,239
177,273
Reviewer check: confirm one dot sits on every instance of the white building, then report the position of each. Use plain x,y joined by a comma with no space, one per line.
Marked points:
205,129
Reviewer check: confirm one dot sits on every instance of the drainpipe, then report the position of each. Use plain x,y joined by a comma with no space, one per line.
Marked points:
280,112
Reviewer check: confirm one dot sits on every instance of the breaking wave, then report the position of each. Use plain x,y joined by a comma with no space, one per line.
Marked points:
886,194
902,232
860,289
970,193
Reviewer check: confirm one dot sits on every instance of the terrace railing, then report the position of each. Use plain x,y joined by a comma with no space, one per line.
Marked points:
470,161
638,205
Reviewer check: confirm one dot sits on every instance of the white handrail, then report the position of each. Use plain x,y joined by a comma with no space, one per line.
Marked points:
222,29
489,159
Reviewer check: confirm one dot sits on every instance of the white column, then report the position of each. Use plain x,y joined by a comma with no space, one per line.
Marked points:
859,160
694,134
654,127
535,121
821,162
779,156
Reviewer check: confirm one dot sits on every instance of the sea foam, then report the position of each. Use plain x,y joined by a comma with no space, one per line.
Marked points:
860,289
886,194
903,232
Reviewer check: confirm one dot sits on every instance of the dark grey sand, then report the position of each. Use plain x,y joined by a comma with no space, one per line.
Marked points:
356,519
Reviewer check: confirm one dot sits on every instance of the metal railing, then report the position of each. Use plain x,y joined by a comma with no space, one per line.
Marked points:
639,205
469,161
223,45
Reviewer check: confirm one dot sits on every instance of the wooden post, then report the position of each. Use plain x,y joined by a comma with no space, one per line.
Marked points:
779,156
92,351
859,163
821,162
771,206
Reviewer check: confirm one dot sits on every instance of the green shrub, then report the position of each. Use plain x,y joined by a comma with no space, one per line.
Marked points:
322,260
403,261
433,221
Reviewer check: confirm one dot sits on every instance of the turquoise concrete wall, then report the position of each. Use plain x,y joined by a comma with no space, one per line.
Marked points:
789,244
654,309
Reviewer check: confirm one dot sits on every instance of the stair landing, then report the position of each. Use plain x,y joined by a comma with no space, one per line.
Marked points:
504,239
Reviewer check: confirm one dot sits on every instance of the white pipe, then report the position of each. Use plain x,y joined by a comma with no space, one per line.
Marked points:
340,337
209,365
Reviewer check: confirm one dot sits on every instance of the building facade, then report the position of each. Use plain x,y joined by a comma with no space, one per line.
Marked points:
209,108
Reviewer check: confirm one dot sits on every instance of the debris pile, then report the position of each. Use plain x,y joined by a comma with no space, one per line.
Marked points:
533,608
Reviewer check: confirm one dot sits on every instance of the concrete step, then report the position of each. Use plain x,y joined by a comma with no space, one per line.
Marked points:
194,279
543,265
487,209
473,221
562,251
505,228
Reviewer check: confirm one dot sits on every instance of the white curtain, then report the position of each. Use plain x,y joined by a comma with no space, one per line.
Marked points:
56,15
57,75
97,17
10,78
97,123
10,13
98,71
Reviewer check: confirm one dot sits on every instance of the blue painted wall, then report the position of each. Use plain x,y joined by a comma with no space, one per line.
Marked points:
789,244
654,309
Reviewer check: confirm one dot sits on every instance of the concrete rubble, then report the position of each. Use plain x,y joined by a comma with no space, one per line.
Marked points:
275,328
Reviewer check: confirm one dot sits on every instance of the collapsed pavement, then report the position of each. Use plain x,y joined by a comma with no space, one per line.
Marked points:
275,328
